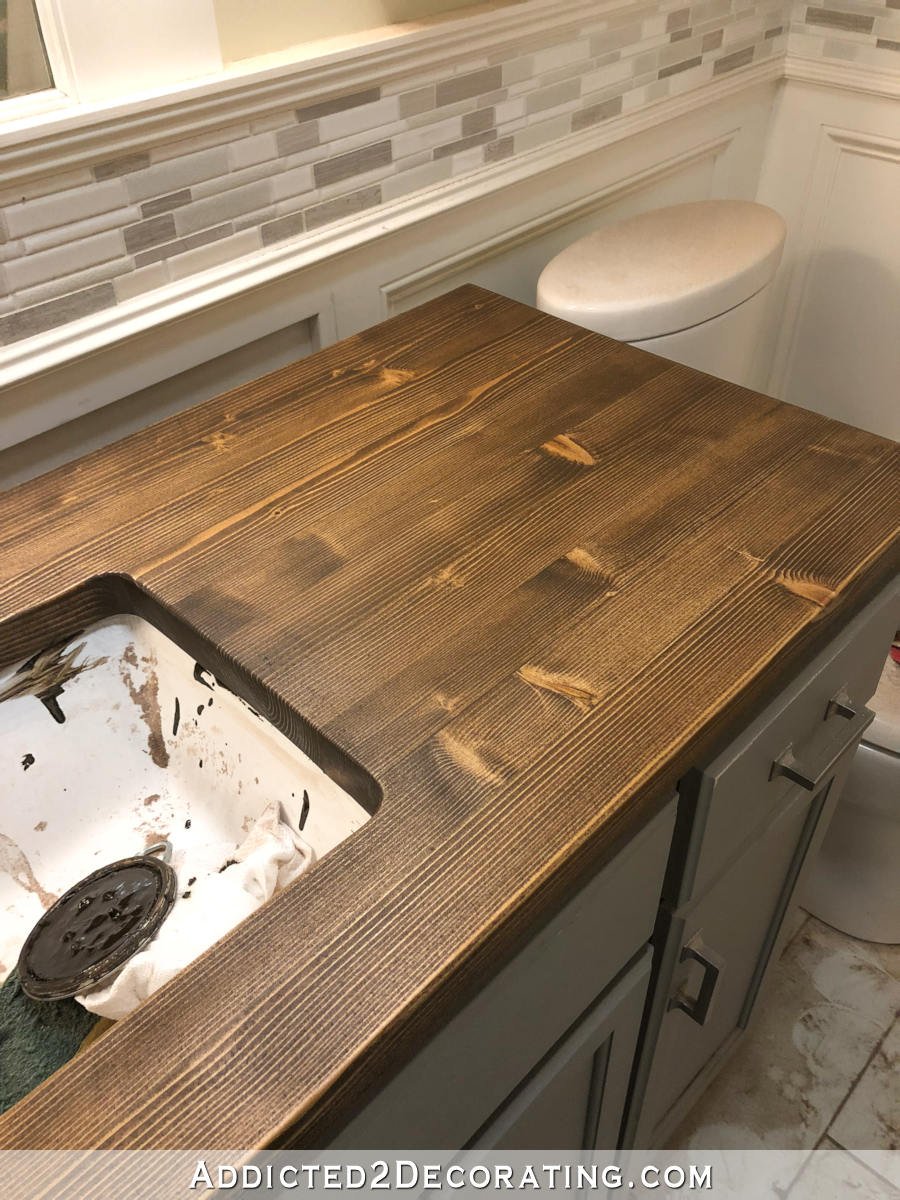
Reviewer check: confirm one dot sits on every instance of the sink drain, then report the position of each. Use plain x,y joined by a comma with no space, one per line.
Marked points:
97,925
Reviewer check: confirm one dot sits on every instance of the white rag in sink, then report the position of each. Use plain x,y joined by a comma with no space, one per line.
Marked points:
272,856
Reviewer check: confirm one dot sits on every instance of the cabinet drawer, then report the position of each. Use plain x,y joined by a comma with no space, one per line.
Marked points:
487,1049
575,1098
736,796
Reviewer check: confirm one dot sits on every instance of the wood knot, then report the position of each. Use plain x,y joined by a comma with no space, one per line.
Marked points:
808,589
577,691
447,577
585,561
563,446
468,757
218,440
395,376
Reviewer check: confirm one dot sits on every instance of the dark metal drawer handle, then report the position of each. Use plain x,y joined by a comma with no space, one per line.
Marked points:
698,1008
841,705
793,768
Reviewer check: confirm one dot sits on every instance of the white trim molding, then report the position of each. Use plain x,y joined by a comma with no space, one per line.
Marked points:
833,142
398,292
850,76
172,302
84,133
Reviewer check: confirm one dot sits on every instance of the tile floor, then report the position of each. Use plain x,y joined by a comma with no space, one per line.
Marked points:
820,1067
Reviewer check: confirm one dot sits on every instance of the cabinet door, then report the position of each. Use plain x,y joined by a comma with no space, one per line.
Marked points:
718,949
574,1099
471,1065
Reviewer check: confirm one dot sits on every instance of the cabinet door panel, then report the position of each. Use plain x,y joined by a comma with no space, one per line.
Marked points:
736,922
575,1098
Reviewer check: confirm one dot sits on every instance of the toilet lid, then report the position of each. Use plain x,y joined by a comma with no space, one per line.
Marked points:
885,729
664,270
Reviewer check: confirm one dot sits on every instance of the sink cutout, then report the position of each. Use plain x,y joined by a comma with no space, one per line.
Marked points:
121,726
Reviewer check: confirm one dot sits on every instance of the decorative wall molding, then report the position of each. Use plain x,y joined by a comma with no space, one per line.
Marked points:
810,237
847,75
398,292
80,134
713,147
50,350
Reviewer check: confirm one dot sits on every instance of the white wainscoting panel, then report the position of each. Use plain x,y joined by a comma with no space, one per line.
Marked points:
833,170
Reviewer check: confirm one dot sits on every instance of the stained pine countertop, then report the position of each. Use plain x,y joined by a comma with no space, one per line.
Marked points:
525,576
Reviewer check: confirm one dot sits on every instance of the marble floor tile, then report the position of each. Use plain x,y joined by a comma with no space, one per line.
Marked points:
825,1008
832,1172
870,1117
793,923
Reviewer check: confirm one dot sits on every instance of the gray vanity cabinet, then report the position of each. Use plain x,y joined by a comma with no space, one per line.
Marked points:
587,1040
748,826
545,1049
574,1099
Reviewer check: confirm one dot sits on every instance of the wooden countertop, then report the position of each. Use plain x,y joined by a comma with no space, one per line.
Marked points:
525,575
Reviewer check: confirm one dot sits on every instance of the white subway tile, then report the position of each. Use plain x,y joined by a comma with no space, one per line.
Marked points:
363,138
541,133
468,160
176,173
59,235
46,185
185,147
416,178
353,120
11,250
64,260
248,151
517,70
438,133
561,56
77,281
215,253
64,207
292,183
509,110
204,214
232,180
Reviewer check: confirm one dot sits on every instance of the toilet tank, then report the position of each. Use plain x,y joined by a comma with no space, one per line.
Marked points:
688,282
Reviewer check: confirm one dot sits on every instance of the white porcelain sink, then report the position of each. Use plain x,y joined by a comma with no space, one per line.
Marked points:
135,742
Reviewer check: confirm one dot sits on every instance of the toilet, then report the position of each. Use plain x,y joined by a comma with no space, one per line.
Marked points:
689,282
854,883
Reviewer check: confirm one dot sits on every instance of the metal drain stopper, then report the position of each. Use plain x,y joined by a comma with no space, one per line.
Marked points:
97,925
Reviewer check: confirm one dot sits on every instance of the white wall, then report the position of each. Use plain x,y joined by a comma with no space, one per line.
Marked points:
832,168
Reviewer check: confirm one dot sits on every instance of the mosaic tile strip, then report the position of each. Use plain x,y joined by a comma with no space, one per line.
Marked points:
106,234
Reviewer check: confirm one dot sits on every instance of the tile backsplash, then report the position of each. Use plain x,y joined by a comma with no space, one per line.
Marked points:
76,244
867,33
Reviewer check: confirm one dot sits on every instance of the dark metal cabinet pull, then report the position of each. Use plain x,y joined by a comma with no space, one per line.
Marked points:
841,705
698,1008
788,765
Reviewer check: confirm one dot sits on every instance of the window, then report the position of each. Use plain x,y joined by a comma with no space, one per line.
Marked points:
23,59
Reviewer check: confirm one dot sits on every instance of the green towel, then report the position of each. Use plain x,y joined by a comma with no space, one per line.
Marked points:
36,1037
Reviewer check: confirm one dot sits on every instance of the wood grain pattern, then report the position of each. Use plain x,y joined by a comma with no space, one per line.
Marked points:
523,574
